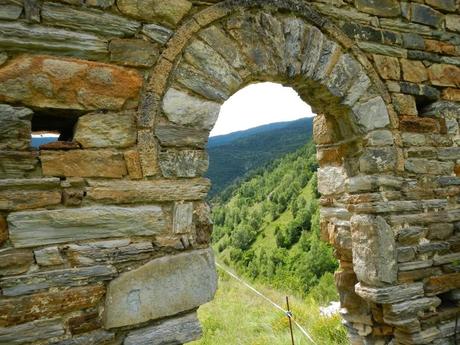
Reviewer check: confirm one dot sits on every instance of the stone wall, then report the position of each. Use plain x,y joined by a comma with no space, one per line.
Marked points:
104,235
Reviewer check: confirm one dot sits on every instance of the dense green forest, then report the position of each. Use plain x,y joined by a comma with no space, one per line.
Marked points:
233,156
267,226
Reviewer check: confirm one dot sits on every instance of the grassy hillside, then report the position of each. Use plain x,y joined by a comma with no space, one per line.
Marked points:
267,227
238,317
232,156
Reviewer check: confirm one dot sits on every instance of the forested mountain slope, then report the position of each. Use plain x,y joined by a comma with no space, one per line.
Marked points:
267,227
233,155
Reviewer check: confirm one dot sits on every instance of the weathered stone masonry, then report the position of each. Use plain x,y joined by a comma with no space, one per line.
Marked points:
104,235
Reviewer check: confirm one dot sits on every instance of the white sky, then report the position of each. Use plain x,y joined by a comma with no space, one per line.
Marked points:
260,104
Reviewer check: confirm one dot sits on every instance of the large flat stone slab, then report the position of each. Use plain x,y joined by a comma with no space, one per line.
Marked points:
162,287
31,229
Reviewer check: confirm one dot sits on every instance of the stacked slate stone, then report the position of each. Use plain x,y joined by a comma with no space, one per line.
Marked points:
104,235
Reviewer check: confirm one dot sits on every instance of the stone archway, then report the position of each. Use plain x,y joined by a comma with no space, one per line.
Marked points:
106,240
354,131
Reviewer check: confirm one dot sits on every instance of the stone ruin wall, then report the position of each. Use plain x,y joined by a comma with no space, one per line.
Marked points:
104,235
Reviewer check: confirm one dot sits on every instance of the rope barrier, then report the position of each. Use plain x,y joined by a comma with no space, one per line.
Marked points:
285,312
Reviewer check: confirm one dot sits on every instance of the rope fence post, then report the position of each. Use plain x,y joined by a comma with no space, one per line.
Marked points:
289,315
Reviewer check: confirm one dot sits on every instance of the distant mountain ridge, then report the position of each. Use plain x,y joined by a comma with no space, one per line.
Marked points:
233,155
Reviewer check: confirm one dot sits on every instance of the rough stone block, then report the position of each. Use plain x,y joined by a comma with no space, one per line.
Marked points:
404,104
371,114
133,164
49,256
390,295
133,52
99,130
419,124
19,35
183,109
69,225
15,128
426,15
388,67
394,313
179,330
374,253
441,284
378,160
69,277
48,304
183,218
15,261
385,8
83,163
31,332
331,180
16,200
183,163
148,152
36,81
165,12
125,192
162,287
18,164
110,251
158,33
431,167
413,71
173,135
453,22
444,75
99,22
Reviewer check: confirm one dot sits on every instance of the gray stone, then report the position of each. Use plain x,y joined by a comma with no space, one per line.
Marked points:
374,252
413,41
331,180
426,15
294,34
31,183
29,229
391,294
163,287
195,80
405,254
126,192
453,22
18,36
179,330
184,109
183,217
158,33
343,75
85,19
415,265
368,183
431,167
440,231
450,153
33,282
383,8
432,247
173,135
111,252
165,12
32,332
446,5
222,44
446,259
97,337
18,164
371,114
15,261
442,109
15,127
377,48
133,52
408,309
49,256
312,51
380,138
327,59
183,163
378,160
10,11
410,235
98,130
213,65
100,3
